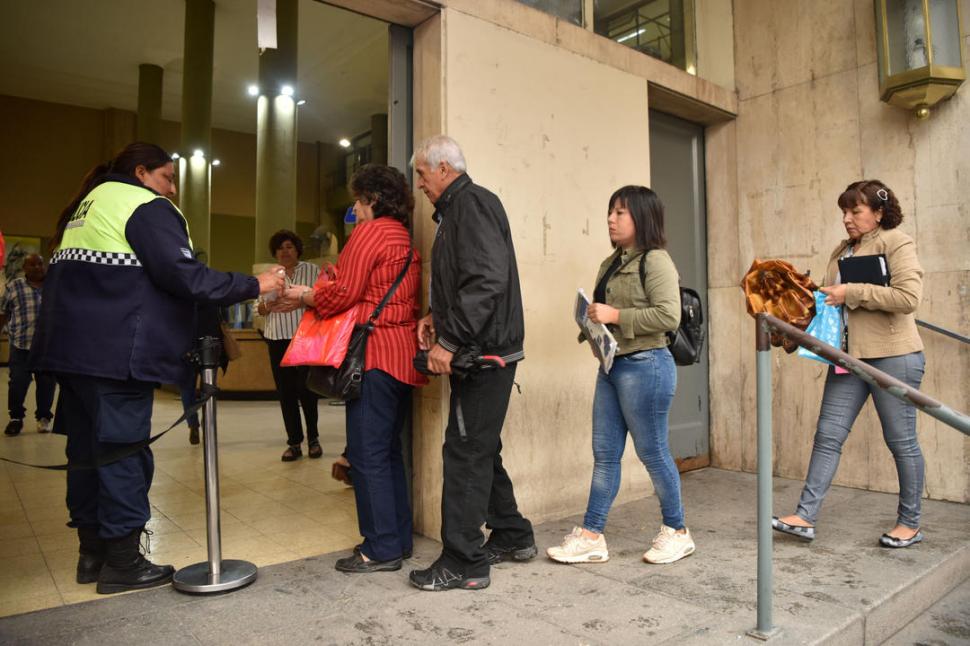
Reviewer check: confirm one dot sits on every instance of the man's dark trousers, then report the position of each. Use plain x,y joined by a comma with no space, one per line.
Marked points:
20,377
477,489
101,416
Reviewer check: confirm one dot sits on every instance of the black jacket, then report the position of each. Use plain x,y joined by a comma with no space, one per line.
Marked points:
131,322
475,295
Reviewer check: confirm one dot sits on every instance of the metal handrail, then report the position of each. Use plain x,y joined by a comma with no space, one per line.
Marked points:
943,331
765,324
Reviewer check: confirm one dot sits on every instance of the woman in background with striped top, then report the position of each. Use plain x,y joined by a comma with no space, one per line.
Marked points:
375,254
287,248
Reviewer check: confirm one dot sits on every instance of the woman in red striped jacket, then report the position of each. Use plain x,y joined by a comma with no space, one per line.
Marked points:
371,260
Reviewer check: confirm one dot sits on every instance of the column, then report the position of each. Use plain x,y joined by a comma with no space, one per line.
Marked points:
149,103
196,141
276,132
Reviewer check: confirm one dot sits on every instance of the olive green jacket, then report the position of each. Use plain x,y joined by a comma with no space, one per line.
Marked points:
880,319
648,310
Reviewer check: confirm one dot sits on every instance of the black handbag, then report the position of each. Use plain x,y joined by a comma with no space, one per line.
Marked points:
344,382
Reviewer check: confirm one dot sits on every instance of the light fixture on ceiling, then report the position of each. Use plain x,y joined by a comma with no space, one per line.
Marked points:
253,90
287,90
301,102
216,162
344,143
198,153
175,156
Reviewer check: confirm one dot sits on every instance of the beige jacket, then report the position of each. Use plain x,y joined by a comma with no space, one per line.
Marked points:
648,310
880,319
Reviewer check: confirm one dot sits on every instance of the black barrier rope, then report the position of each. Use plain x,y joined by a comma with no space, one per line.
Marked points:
207,391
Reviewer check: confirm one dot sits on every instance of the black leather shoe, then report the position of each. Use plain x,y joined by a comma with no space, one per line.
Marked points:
440,577
90,555
193,435
405,555
356,564
14,427
126,569
498,553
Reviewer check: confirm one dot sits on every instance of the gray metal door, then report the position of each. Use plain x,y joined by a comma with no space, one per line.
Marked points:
677,176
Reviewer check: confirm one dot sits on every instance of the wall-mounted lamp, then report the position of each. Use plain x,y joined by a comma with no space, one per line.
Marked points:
253,90
918,43
344,143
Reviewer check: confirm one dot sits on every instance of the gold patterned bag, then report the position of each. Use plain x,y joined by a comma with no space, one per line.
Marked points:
775,287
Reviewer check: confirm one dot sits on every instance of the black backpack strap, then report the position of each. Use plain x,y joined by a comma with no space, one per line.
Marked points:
643,270
390,292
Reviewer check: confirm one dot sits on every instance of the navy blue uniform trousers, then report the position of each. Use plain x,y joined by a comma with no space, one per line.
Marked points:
374,425
100,416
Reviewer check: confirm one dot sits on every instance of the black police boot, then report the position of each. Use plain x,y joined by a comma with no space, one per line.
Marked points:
91,554
126,569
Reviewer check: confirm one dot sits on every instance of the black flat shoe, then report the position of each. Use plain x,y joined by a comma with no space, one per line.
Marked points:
807,533
891,541
356,564
405,555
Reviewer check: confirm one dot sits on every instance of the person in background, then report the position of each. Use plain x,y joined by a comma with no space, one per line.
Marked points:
116,321
879,327
376,253
18,311
287,247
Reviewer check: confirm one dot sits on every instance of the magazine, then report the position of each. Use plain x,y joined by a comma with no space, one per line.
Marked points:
598,335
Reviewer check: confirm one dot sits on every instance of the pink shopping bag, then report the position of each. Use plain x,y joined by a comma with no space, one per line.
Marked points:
321,341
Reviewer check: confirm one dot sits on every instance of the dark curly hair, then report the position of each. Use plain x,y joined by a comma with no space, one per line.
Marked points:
277,239
386,190
877,196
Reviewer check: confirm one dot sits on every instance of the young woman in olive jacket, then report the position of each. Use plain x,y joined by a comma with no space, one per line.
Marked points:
635,396
880,328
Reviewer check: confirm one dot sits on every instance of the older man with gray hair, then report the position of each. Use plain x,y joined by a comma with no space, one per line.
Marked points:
476,310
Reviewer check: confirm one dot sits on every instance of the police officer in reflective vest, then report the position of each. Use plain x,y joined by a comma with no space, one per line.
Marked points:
116,320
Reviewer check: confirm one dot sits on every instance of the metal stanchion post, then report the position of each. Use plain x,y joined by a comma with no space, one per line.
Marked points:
764,630
216,574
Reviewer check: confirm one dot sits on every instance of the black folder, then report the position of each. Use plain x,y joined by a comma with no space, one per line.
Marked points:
864,269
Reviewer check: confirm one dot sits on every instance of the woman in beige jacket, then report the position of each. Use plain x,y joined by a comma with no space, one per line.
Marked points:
878,327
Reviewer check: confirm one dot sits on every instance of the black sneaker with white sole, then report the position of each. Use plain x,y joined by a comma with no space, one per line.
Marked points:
496,553
440,577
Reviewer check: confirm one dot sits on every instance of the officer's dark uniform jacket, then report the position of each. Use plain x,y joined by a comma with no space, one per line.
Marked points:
475,294
119,298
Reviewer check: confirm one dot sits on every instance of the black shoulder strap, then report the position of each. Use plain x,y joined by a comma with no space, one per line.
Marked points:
643,270
390,292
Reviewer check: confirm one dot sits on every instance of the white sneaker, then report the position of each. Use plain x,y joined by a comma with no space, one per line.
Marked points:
669,546
44,425
577,548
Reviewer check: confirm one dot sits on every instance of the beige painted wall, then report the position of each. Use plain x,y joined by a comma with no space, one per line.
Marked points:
552,134
715,41
810,122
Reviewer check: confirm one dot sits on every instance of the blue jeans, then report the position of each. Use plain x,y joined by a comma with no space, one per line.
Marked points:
374,425
842,400
20,376
635,396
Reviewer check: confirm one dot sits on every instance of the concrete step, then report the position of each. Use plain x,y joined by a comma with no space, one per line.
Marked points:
843,588
945,623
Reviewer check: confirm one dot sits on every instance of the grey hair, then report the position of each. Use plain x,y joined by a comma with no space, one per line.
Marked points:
437,149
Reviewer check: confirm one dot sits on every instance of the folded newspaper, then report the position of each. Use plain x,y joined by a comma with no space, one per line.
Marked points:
598,335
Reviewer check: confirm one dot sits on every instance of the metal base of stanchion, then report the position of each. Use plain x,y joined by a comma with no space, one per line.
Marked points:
197,579
763,635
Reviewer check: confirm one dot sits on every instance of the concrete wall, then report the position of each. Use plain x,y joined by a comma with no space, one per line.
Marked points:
553,134
809,122
51,146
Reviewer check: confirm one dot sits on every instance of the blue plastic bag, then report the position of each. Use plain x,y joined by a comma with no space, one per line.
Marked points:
826,327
